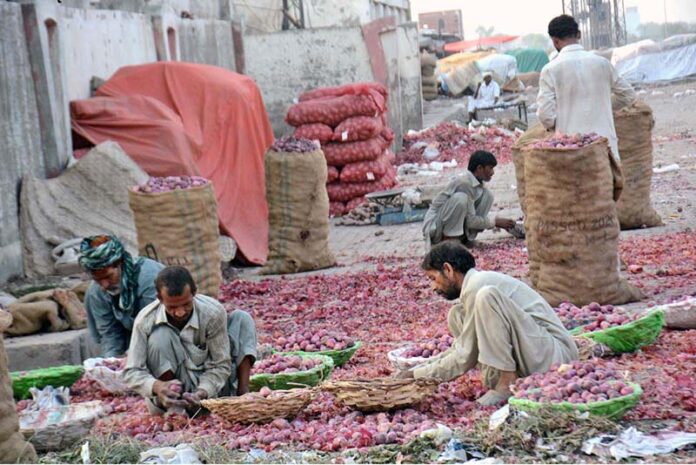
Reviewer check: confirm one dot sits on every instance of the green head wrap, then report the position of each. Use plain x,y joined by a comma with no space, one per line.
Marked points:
105,255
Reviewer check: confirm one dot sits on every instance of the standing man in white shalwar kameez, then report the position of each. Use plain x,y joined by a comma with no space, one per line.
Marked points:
575,89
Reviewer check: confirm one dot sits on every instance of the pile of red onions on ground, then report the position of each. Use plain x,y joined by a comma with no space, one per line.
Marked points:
170,183
278,363
314,341
572,316
578,383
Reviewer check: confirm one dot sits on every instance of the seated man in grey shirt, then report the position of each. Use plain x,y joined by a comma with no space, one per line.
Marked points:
121,286
185,348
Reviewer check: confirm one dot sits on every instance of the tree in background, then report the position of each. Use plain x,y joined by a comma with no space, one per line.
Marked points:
485,31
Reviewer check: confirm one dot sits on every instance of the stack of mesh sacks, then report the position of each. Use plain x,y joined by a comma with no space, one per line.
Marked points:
350,123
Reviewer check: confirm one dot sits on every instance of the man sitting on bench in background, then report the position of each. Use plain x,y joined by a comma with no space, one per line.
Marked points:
486,95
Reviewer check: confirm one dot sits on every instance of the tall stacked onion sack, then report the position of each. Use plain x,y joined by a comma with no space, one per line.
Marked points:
176,221
350,123
13,447
428,79
571,223
298,208
634,126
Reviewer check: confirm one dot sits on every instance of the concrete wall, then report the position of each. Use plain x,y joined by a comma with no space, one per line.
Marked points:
207,41
325,13
116,39
400,46
284,64
20,143
200,9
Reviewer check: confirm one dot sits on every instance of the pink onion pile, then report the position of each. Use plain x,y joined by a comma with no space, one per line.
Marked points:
572,316
315,341
609,321
566,141
430,348
578,383
170,183
292,144
116,365
278,363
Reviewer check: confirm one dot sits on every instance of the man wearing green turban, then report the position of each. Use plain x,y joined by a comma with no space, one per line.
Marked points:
121,287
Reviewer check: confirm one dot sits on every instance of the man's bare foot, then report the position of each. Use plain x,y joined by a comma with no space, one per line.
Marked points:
493,397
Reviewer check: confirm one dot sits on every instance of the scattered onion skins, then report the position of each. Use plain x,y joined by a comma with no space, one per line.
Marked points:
578,383
315,341
170,183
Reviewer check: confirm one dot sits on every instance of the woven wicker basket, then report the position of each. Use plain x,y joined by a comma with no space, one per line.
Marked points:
254,408
381,394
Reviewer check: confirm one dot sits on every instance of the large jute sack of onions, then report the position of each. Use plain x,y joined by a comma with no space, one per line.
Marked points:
571,223
13,447
298,208
634,126
532,134
176,221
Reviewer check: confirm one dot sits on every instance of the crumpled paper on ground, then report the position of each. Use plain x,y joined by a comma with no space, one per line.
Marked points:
182,453
633,443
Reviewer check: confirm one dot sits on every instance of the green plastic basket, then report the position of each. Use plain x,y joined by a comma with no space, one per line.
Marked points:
339,357
612,408
60,376
629,337
294,380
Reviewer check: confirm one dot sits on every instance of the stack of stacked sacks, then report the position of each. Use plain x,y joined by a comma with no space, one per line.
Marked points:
428,79
350,123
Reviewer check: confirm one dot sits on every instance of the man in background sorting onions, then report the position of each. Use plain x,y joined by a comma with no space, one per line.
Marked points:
121,287
575,89
185,348
461,210
499,323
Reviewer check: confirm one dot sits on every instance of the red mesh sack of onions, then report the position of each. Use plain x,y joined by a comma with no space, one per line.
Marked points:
406,358
315,341
344,192
331,111
365,170
332,174
278,363
566,141
572,316
337,209
315,131
355,203
343,153
170,183
358,88
290,144
578,383
358,128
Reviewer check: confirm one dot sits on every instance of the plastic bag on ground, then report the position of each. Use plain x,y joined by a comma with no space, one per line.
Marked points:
633,443
181,454
105,373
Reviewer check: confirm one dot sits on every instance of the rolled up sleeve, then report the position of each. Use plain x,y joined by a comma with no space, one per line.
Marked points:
136,374
546,100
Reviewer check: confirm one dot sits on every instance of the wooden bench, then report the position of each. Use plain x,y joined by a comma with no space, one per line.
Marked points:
521,109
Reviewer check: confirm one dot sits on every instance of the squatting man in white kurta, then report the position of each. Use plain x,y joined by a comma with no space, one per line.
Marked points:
576,87
185,348
499,324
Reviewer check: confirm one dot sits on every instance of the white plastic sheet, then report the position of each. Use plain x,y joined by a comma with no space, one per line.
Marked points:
633,443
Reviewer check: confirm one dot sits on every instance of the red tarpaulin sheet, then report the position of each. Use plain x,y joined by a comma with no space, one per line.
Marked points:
177,118
477,43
